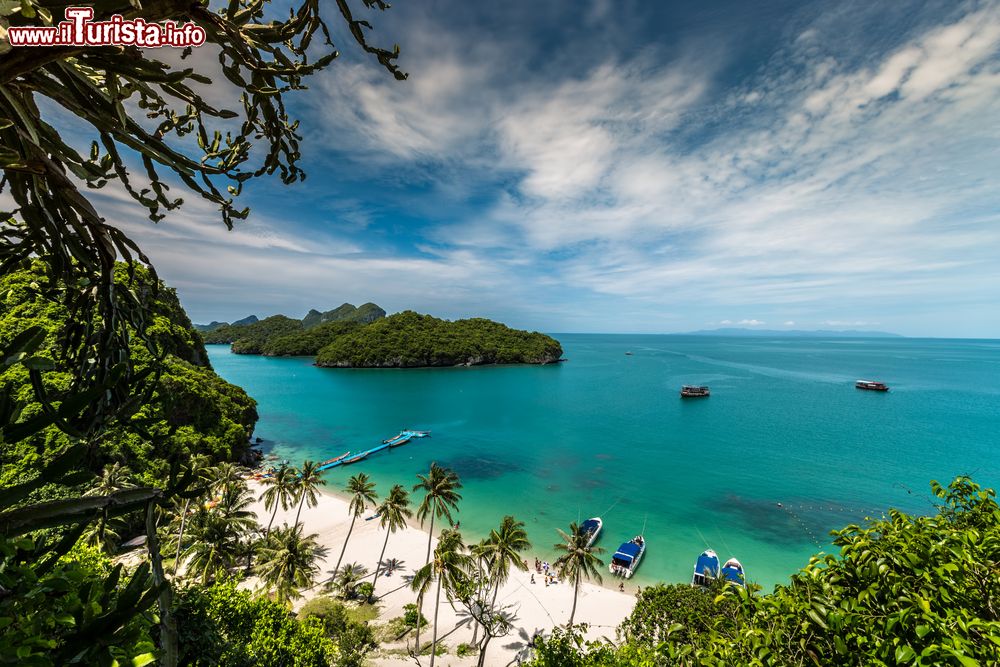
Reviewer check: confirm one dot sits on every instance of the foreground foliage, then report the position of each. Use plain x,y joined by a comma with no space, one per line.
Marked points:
904,590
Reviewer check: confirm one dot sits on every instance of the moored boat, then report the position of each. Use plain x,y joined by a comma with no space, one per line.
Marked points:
871,385
706,568
336,458
404,437
592,528
626,559
355,458
733,571
691,391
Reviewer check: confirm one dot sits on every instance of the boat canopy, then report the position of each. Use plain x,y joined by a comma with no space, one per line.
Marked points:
734,575
708,563
589,526
627,552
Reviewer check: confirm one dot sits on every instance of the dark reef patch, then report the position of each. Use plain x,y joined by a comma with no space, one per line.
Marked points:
481,467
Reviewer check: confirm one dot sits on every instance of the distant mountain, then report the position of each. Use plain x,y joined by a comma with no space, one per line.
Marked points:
791,333
250,319
366,314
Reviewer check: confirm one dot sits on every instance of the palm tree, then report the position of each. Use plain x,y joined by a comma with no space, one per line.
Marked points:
114,477
104,534
347,578
234,506
214,545
224,475
440,486
307,486
578,562
362,492
503,549
196,466
280,490
289,562
450,566
393,513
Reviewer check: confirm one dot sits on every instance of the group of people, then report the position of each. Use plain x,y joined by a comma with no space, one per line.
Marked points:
542,567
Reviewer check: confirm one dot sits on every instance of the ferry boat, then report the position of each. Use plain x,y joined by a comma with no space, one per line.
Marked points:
626,559
706,568
733,571
592,528
691,391
871,385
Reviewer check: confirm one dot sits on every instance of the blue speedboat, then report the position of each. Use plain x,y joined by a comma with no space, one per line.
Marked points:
626,559
733,571
592,528
706,569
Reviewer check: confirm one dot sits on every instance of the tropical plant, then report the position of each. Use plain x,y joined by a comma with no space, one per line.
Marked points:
197,467
578,561
307,485
440,486
214,544
449,568
288,562
114,477
279,490
224,475
393,513
503,549
346,579
362,491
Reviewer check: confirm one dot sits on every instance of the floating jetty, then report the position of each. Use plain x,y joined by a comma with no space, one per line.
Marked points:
348,458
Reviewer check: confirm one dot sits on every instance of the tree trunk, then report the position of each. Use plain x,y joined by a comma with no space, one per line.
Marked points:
299,512
267,533
168,628
378,566
344,548
482,649
437,605
420,598
180,537
576,591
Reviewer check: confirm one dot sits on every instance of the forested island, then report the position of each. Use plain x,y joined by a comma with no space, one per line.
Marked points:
365,338
412,340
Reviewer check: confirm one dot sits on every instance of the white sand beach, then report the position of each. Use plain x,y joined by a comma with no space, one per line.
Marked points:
538,608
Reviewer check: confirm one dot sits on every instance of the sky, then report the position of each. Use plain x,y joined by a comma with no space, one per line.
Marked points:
599,166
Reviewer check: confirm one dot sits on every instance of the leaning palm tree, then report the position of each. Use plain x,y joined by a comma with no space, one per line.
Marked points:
279,490
393,513
307,486
440,486
450,567
578,561
503,549
288,562
362,492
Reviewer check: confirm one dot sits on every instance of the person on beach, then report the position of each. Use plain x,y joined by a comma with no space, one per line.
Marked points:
532,578
621,587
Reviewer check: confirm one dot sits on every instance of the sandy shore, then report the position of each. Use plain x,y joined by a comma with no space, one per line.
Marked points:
538,608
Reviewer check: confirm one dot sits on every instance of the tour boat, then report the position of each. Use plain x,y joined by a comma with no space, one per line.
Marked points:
733,571
356,458
871,385
690,391
628,354
626,559
592,528
336,458
706,568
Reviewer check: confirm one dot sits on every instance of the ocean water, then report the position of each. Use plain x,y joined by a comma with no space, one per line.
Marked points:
606,434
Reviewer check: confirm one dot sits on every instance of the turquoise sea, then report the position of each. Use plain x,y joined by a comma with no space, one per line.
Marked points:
607,434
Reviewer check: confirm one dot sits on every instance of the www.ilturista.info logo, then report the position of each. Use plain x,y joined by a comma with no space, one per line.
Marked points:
80,30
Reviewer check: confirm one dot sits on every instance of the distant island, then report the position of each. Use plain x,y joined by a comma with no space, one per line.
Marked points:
791,333
349,337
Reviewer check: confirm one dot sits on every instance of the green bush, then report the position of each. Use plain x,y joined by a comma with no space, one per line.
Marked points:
410,615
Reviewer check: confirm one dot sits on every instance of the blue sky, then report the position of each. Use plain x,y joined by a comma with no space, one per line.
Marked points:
632,167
